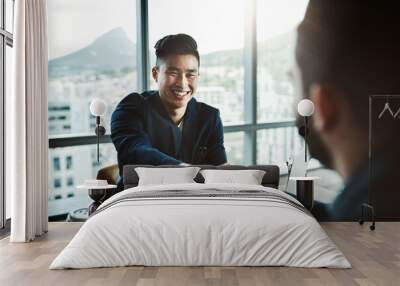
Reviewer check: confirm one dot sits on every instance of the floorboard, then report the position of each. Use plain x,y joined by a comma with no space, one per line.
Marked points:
374,255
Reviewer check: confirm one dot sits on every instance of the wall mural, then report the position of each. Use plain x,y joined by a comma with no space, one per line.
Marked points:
384,155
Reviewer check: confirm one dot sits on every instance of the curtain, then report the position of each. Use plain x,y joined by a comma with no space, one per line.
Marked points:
27,121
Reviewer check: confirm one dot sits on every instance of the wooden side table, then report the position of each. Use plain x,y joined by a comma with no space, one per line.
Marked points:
305,190
97,194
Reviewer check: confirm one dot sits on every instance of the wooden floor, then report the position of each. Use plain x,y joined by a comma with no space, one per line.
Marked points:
374,255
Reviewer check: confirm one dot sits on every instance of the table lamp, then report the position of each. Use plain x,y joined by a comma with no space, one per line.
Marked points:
98,108
305,108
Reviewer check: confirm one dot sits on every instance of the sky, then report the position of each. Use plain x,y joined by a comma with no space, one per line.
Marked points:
74,24
215,24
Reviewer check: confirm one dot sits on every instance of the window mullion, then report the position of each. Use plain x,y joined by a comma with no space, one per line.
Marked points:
250,80
3,13
143,71
2,128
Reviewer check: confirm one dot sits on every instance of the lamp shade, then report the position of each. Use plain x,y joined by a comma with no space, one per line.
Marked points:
305,107
97,107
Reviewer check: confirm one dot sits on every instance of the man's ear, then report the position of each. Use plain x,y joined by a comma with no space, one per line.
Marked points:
327,112
154,73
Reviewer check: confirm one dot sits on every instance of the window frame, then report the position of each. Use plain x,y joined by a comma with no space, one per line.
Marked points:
6,39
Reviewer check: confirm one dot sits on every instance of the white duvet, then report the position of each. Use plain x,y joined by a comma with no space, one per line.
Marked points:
200,231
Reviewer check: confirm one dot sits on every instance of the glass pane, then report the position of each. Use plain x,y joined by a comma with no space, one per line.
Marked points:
89,60
65,173
275,146
234,146
218,28
9,15
8,81
276,36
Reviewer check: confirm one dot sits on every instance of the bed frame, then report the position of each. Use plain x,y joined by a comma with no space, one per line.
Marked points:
270,179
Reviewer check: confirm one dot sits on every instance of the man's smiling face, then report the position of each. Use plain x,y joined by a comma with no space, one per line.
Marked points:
177,79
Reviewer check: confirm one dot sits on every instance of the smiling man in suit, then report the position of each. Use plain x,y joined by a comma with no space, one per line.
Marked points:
169,126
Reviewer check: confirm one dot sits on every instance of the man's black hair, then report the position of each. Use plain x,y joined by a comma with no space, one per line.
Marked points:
352,45
179,44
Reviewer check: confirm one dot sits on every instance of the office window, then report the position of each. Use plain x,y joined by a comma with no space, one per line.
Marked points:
68,161
83,167
234,147
56,164
6,37
8,82
57,183
218,28
92,54
276,36
70,181
9,15
276,145
92,48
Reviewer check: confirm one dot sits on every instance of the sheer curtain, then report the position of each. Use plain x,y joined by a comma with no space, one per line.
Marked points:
27,149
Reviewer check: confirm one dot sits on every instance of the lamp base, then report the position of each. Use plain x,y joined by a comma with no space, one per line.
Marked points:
98,195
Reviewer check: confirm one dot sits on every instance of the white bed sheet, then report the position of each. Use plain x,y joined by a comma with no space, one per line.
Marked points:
200,231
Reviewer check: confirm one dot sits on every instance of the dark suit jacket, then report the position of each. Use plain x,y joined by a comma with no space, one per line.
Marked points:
143,133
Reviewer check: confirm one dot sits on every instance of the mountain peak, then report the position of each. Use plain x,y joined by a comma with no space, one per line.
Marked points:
117,34
110,51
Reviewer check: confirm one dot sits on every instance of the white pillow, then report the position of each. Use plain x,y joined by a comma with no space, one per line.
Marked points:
164,176
248,177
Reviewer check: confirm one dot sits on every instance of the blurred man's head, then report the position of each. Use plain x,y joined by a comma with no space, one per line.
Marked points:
177,69
346,51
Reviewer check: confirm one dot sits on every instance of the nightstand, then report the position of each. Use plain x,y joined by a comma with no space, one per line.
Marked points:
97,194
305,190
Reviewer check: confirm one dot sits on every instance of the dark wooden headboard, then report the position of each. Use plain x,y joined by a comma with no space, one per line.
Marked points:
270,179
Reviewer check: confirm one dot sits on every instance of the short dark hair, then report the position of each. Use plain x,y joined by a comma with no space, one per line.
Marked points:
179,44
353,45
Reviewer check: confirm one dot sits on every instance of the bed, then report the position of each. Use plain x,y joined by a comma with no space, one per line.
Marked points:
201,224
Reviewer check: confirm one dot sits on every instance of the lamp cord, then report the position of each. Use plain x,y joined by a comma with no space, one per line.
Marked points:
98,137
98,142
